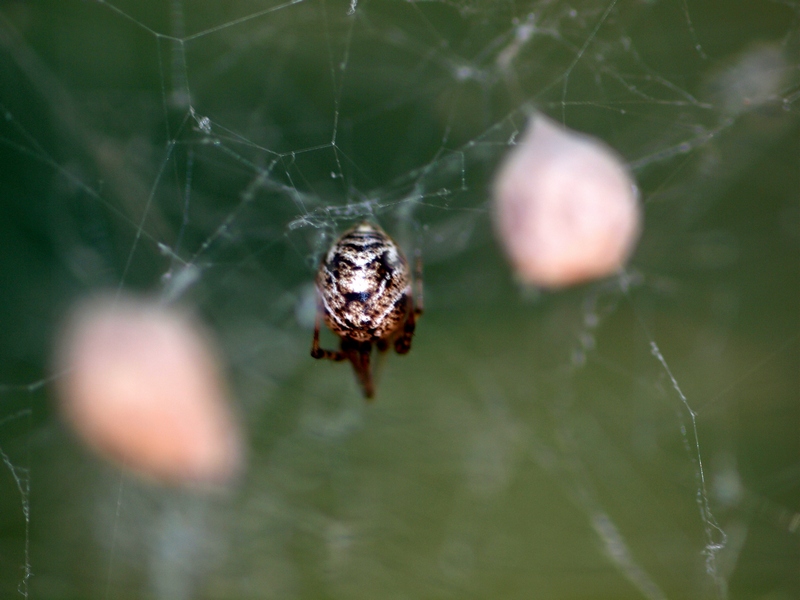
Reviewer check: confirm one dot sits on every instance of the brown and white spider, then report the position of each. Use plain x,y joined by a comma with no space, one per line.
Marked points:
364,292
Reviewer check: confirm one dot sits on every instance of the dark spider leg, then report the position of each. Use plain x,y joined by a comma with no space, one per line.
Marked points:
317,352
403,342
418,284
364,373
359,355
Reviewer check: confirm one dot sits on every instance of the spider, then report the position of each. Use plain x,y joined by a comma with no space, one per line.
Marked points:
364,295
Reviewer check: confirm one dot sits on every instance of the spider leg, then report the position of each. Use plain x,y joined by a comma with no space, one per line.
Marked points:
358,353
361,364
317,352
418,307
402,344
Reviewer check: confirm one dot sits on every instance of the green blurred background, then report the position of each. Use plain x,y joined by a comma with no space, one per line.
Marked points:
532,444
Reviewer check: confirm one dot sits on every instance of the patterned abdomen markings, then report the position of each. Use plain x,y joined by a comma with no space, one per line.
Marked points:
364,285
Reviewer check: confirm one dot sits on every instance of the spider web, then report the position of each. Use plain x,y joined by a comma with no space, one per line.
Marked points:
631,438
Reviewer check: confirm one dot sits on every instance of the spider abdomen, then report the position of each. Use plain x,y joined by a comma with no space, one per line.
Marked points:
364,285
